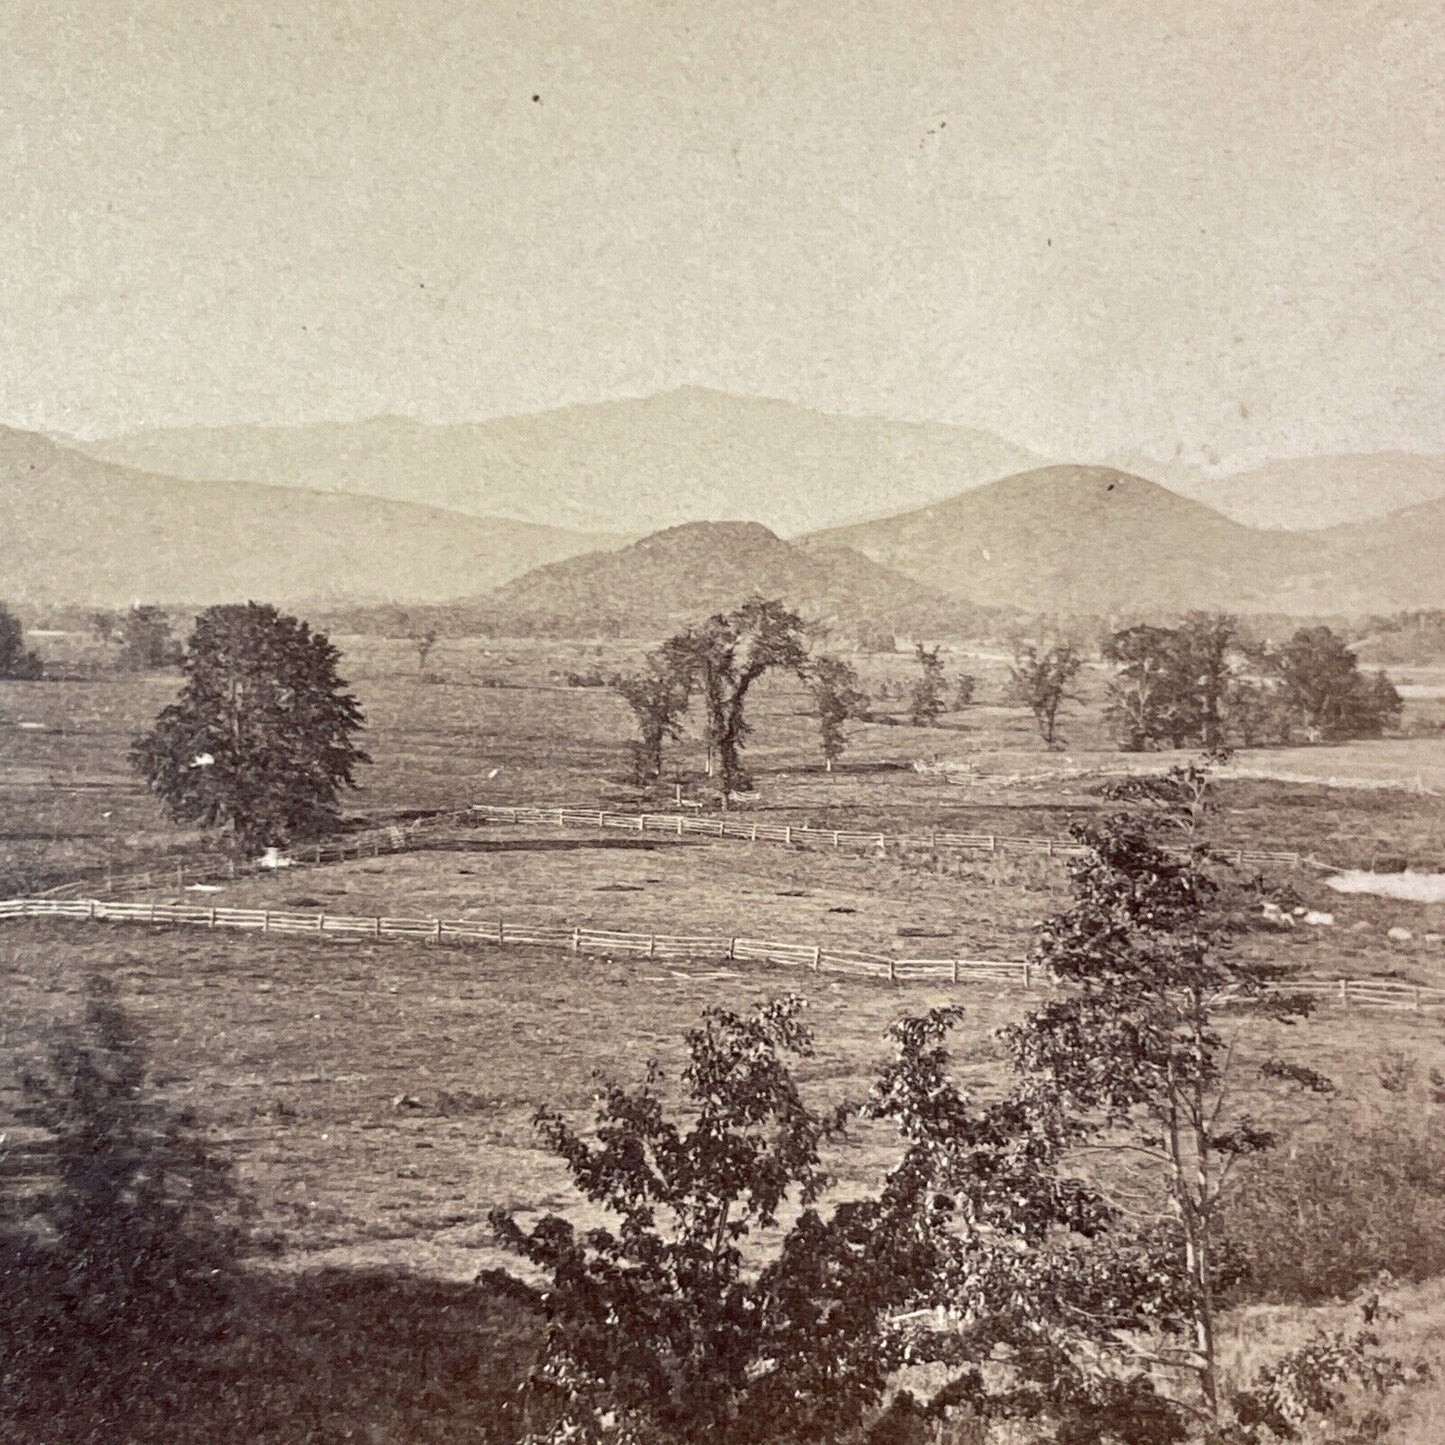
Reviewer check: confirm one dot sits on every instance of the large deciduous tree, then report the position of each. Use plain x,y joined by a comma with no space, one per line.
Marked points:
657,693
1323,687
723,658
837,696
926,702
145,633
1139,1052
262,739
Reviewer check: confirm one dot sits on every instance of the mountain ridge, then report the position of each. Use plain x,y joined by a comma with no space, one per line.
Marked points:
87,532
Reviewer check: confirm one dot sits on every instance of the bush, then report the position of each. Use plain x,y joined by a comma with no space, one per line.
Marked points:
1338,1211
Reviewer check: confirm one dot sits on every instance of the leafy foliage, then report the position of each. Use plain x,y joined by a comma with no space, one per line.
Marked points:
724,657
260,741
838,697
1039,680
658,697
1323,687
656,1329
926,702
146,641
1312,1382
130,1244
1137,1051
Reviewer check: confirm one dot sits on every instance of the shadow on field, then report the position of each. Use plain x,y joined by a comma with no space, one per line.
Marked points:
317,1357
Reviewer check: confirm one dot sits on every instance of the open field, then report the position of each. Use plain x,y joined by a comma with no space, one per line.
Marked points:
68,801
378,1098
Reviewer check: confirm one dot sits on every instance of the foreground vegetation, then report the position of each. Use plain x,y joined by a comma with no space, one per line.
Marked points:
324,1129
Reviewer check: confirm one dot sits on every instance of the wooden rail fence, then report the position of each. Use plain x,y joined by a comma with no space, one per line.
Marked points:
1372,993
818,958
800,834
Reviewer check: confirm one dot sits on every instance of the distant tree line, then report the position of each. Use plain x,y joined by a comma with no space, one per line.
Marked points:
1202,684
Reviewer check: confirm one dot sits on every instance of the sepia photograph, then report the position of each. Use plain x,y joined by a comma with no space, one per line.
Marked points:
722,724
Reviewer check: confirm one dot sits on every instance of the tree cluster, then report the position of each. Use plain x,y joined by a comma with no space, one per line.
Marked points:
1201,683
728,1301
718,661
1040,679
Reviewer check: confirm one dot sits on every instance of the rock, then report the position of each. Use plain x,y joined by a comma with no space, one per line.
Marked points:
1399,935
1319,920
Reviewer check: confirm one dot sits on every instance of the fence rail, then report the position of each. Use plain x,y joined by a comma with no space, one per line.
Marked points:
750,830
401,838
1348,993
817,958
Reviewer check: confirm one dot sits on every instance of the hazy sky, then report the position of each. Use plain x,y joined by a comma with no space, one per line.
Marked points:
1211,228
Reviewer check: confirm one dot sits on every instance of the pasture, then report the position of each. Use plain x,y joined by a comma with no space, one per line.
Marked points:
377,1097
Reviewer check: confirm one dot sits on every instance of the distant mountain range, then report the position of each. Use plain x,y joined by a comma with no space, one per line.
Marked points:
943,537
630,466
1057,540
693,454
75,530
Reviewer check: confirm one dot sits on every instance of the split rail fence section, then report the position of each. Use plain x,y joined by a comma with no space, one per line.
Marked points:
815,957
682,824
1344,993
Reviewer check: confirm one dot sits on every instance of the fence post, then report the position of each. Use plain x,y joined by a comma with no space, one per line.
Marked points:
679,825
90,911
732,949
955,970
835,838
755,830
1344,993
1416,1003
992,843
501,931
787,833
376,926
321,922
436,932
892,971
652,945
1026,973
153,910
576,940
318,853
265,920
817,956
1049,846
212,921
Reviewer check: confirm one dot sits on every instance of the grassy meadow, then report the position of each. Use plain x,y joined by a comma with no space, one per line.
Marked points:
378,1098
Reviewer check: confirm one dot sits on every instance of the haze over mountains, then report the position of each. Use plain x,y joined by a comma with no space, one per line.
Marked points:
695,454
76,530
942,535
